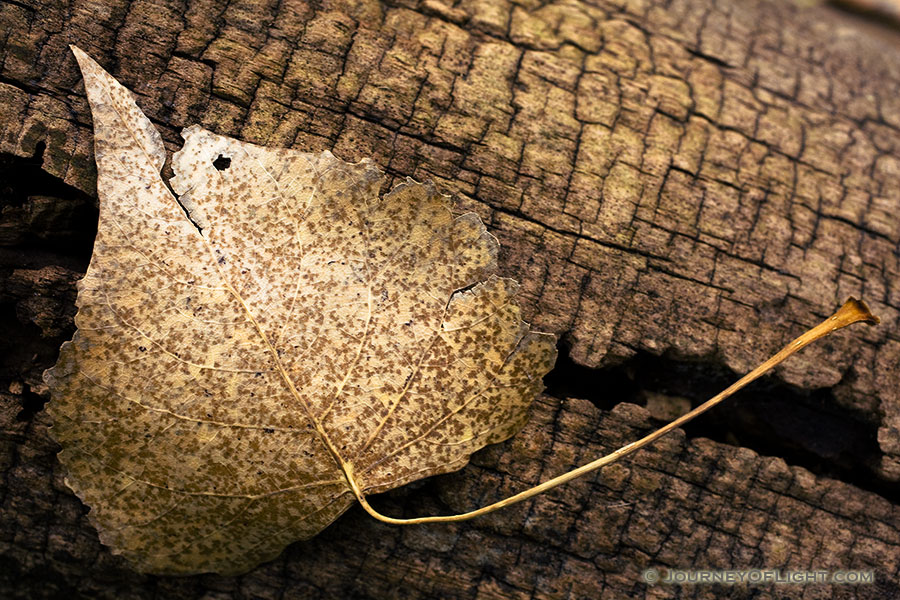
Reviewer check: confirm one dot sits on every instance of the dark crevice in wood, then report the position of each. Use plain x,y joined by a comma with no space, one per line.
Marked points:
44,221
807,428
714,60
47,231
31,405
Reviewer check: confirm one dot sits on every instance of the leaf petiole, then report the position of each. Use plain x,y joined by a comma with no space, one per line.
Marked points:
852,311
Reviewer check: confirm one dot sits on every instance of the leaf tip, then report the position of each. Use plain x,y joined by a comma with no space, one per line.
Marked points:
84,60
113,108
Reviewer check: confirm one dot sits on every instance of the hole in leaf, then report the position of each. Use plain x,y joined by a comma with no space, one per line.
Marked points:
222,163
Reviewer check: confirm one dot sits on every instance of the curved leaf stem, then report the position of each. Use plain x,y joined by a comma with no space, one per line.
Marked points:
852,311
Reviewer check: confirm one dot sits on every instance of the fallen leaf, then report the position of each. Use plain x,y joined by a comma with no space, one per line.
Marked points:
251,353
278,341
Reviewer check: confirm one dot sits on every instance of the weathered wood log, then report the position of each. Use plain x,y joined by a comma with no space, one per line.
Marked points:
681,187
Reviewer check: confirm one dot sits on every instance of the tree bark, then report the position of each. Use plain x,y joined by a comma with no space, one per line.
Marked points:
680,187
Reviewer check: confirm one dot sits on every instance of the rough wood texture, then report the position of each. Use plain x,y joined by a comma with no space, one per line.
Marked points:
681,187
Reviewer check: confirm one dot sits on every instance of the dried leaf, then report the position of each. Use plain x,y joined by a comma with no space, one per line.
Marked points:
233,372
283,341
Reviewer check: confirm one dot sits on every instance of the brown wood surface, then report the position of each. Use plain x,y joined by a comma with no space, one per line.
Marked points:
681,187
